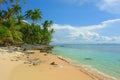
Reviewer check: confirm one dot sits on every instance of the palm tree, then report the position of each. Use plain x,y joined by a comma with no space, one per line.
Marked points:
28,14
2,14
20,18
34,15
13,9
47,32
17,11
13,34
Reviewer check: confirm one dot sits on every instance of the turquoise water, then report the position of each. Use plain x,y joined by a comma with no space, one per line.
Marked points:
103,57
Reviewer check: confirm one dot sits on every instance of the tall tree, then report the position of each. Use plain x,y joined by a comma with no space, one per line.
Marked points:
13,9
2,14
17,11
20,17
34,15
47,32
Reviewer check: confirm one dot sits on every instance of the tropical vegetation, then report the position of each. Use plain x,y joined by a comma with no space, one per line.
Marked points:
15,28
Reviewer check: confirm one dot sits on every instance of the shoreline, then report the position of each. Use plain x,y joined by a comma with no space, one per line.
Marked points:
87,69
36,63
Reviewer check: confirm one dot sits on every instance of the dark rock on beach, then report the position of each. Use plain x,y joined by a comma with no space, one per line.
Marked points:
26,47
42,48
53,63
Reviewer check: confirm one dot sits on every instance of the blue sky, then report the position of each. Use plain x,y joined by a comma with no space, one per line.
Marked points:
72,12
81,21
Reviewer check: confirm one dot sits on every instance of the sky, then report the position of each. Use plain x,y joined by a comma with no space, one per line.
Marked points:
81,21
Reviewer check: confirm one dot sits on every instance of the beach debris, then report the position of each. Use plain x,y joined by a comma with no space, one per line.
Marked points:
14,60
42,48
29,52
27,62
36,61
53,63
16,49
33,62
45,54
63,59
24,49
27,57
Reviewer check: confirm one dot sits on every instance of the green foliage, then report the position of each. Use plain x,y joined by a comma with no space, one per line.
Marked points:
34,15
47,32
32,34
13,30
5,35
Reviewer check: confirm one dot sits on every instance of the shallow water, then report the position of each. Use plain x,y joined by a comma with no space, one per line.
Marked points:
103,57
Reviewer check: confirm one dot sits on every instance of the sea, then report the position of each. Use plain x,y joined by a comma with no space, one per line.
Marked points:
101,57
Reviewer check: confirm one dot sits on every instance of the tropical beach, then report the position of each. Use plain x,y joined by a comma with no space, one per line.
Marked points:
16,65
59,40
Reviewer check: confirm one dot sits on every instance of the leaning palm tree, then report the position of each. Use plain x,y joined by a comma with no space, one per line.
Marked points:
17,11
47,32
34,15
28,14
13,9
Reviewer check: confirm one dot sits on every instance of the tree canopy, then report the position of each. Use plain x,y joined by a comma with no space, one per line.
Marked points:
15,29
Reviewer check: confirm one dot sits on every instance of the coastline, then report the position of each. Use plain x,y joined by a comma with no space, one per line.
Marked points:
92,72
38,65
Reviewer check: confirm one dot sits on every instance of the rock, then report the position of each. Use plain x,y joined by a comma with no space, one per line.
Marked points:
37,62
28,62
16,60
34,64
53,63
24,49
42,48
27,57
16,49
29,52
45,54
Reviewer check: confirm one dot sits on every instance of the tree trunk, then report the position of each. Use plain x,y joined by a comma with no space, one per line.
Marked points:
9,13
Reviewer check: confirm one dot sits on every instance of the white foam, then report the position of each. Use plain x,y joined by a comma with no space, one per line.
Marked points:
91,69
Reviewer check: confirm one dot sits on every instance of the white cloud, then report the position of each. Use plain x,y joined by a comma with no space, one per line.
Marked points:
88,34
111,6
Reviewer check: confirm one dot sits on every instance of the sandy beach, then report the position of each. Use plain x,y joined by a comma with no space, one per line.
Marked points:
41,66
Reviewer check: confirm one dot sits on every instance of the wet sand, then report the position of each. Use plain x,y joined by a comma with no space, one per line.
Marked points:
41,66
